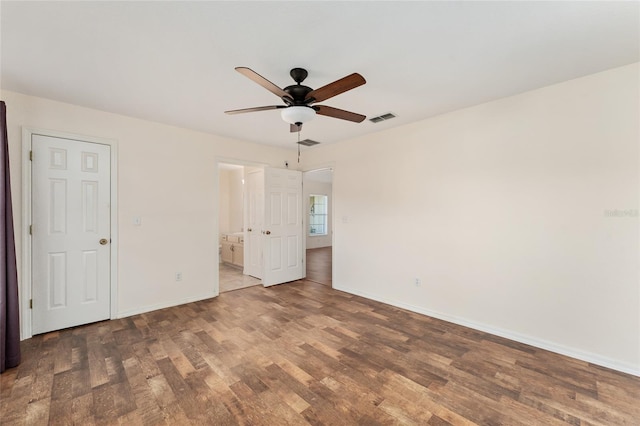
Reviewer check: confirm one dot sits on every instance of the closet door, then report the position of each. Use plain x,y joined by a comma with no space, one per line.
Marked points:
71,203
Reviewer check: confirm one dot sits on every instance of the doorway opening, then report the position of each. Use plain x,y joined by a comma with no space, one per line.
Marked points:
235,249
318,192
269,243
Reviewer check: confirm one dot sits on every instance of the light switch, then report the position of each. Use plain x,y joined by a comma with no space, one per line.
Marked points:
137,221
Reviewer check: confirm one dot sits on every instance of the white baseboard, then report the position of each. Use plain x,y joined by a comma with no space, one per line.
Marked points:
517,337
149,308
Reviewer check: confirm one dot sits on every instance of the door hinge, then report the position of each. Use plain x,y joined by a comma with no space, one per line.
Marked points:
30,155
30,303
30,229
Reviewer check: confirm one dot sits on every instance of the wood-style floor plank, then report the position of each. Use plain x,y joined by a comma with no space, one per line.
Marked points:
299,354
319,265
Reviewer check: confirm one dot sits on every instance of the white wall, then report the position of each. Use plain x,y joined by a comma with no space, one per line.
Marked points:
318,188
503,210
231,200
223,202
236,201
168,176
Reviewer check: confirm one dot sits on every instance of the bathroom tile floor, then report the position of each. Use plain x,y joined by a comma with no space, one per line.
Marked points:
232,278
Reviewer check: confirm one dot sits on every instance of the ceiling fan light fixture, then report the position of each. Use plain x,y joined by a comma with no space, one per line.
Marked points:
298,114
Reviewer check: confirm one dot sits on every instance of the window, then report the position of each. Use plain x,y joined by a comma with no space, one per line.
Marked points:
318,208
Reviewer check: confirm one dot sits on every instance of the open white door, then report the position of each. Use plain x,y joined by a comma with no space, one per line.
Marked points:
255,217
283,228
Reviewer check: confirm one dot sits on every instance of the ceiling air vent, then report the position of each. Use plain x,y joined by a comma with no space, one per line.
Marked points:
383,117
308,142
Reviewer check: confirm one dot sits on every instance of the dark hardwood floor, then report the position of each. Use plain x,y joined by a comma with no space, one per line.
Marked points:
302,353
319,265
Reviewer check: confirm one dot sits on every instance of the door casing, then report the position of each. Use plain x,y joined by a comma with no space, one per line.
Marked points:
26,282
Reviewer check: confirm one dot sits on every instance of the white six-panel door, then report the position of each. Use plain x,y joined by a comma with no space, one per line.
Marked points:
283,228
71,233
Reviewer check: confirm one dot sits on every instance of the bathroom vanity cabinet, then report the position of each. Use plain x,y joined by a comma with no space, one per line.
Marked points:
233,249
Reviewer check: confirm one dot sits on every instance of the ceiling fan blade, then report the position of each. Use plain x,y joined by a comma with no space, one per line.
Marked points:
293,128
251,74
332,89
262,108
339,113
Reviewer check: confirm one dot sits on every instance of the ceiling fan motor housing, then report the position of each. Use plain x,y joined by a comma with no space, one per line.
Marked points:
298,94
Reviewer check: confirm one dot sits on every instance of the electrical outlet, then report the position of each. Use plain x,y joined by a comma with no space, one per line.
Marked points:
178,276
418,282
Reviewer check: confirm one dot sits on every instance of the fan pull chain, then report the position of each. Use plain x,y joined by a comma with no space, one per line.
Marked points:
298,145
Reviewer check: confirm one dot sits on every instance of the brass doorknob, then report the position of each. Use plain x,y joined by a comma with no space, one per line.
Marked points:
268,232
103,241
249,229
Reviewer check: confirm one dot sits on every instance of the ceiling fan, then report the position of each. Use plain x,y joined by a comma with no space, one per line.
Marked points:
299,99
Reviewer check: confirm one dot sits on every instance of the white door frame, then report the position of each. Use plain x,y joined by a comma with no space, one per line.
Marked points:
26,284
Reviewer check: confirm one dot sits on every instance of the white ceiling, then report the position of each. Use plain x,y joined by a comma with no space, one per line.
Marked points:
173,62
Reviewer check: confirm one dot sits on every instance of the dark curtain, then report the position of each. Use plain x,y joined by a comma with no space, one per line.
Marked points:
9,316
